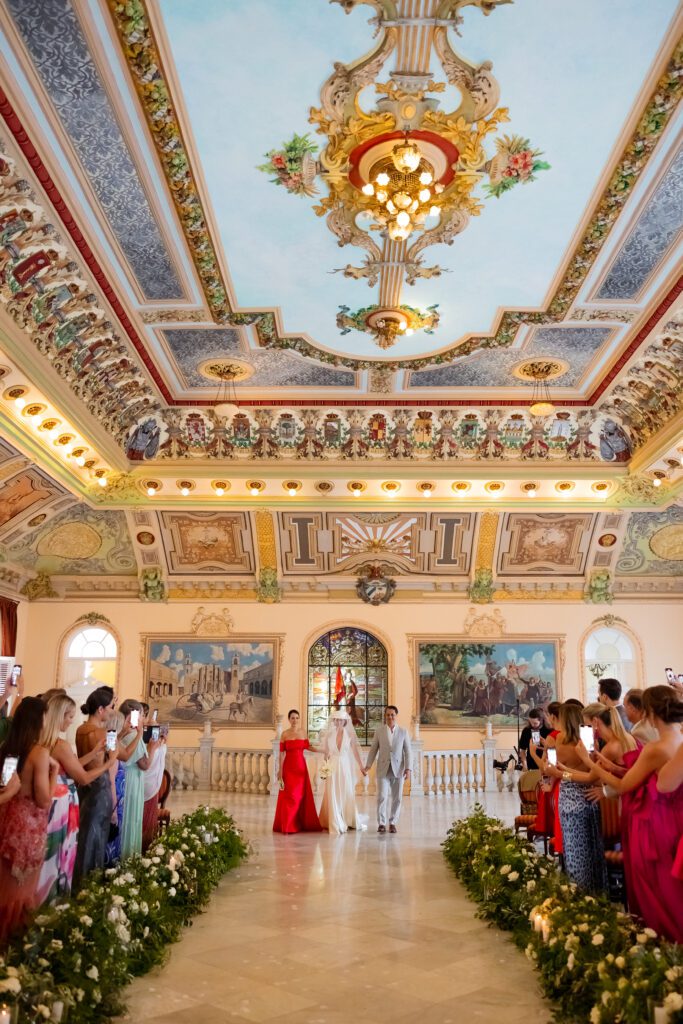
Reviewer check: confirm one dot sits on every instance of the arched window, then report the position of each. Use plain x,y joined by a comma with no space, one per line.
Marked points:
609,652
348,668
91,659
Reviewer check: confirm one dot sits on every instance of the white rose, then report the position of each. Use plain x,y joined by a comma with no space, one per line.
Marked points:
87,921
171,891
10,985
93,973
513,876
673,1002
43,1010
175,877
531,885
571,961
595,1015
598,939
620,963
506,869
118,901
650,932
123,934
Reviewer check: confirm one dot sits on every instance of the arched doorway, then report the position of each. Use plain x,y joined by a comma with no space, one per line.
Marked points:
609,651
348,668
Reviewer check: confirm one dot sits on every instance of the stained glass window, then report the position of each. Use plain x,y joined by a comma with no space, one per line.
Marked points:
347,668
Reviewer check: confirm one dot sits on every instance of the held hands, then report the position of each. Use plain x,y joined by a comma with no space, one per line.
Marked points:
406,773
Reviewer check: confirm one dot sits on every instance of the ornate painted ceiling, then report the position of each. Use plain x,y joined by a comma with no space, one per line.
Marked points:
146,257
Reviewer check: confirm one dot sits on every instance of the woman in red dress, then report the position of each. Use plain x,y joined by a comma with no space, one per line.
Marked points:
670,780
295,811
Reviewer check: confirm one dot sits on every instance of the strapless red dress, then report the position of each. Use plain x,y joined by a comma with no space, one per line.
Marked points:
295,811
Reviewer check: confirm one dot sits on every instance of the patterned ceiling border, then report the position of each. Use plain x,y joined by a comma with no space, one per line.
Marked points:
142,55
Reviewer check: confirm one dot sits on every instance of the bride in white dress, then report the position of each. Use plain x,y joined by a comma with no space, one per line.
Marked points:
339,743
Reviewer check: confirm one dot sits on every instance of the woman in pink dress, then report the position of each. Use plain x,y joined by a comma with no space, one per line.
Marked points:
654,820
670,780
295,811
23,819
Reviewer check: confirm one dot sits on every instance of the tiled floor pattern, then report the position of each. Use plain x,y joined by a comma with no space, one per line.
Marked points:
317,929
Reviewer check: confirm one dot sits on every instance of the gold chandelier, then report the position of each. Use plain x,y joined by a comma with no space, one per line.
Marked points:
403,189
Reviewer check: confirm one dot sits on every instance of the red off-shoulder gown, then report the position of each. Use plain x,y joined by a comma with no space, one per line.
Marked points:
295,811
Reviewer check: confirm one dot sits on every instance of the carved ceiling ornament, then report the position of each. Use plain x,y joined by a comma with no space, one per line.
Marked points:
484,624
211,623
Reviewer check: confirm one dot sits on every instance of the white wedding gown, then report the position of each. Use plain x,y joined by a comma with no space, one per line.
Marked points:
338,811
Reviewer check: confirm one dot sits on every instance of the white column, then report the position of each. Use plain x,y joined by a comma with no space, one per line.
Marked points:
417,766
205,756
489,745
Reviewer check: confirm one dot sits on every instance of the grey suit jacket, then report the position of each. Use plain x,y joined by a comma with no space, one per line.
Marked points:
392,752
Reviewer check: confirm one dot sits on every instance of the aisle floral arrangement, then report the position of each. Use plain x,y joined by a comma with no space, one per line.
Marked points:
595,963
77,956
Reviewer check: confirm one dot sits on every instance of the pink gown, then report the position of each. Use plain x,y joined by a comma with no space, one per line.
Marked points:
651,832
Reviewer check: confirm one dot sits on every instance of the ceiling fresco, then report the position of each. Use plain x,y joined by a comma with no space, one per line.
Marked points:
532,229
144,250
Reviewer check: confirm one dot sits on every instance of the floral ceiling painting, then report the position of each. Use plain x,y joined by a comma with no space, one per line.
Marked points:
653,545
79,541
549,62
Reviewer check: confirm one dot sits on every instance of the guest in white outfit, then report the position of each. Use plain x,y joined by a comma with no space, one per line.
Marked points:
391,747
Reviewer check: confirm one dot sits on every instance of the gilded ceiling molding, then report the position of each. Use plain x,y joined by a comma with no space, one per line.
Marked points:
538,595
47,295
142,55
486,546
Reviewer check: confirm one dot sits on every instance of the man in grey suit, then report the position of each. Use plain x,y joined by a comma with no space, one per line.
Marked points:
391,746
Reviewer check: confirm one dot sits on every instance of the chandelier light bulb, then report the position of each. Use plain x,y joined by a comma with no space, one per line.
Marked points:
402,200
390,206
438,188
409,331
398,233
541,409
424,195
426,178
402,219
406,158
434,211
368,189
382,179
381,195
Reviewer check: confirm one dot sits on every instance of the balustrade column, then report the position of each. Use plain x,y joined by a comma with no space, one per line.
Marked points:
417,766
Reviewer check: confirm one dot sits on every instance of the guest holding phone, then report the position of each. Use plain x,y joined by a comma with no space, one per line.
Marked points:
124,741
56,875
532,734
655,820
584,857
135,767
23,819
151,786
95,798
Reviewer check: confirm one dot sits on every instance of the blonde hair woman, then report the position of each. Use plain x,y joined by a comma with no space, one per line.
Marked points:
62,826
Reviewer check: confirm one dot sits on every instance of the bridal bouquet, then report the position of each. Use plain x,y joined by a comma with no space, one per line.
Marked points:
326,770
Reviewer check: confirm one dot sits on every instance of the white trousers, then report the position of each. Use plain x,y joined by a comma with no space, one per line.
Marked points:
389,785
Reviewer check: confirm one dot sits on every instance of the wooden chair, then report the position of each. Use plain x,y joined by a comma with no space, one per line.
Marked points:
610,827
528,787
163,814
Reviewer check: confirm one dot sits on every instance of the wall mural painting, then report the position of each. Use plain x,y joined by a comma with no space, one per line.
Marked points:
463,682
229,683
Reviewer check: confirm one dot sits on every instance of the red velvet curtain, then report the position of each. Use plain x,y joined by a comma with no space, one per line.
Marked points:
8,618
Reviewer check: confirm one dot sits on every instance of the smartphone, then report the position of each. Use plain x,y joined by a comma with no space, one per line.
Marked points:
134,718
155,733
587,737
8,769
112,740
536,737
155,715
552,756
670,675
16,672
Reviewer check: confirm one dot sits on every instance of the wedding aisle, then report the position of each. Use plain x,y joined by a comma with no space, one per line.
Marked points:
315,929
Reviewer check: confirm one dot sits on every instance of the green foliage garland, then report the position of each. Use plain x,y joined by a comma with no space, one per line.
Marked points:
595,963
83,951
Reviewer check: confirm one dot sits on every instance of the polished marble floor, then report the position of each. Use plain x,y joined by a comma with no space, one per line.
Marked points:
317,929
